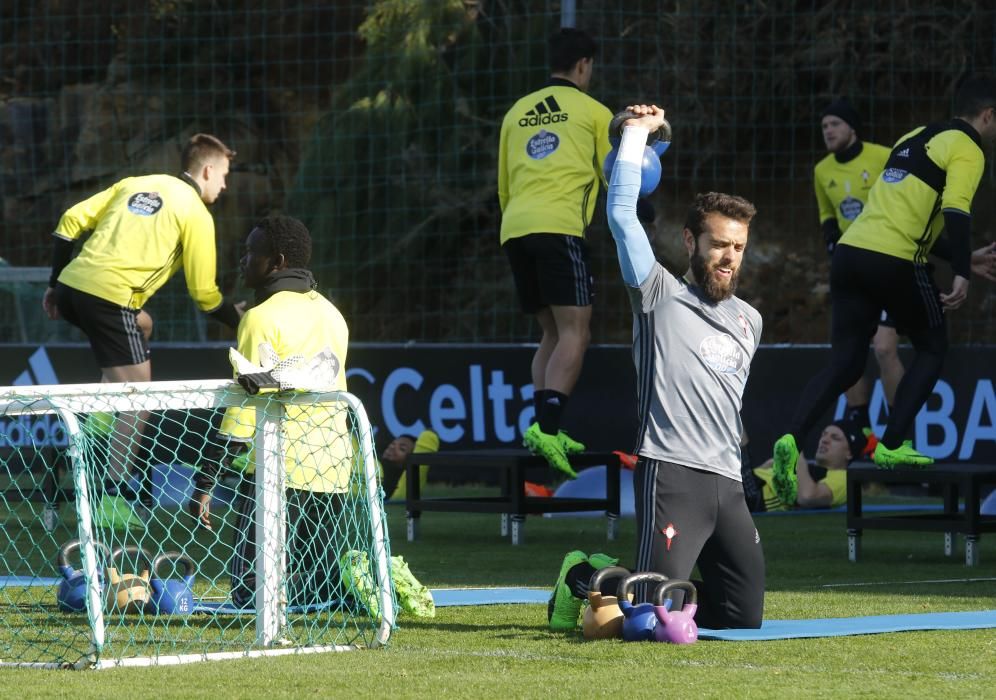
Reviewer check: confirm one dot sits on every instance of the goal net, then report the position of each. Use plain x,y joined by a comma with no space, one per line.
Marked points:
167,522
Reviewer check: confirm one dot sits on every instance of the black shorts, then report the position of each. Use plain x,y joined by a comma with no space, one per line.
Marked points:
550,269
113,330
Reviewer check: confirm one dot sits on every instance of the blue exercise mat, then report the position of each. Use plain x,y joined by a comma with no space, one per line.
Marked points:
847,626
449,597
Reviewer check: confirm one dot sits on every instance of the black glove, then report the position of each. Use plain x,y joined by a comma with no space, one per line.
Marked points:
253,383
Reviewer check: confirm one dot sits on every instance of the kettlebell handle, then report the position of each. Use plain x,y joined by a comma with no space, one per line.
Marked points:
662,133
140,554
663,590
62,558
600,576
178,559
622,592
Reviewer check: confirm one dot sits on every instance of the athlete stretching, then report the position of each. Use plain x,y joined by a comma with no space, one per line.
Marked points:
692,344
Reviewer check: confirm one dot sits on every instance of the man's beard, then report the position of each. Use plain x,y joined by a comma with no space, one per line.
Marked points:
714,289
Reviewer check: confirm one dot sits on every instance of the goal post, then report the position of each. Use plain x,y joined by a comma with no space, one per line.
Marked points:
291,554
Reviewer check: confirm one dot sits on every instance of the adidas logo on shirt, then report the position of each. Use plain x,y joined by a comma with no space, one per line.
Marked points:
546,111
905,153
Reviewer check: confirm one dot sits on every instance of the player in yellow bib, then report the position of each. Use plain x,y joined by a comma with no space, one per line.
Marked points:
144,229
843,180
293,318
552,146
880,264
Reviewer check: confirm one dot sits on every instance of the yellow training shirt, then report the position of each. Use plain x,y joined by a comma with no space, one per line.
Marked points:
835,480
316,438
930,170
144,230
552,146
842,188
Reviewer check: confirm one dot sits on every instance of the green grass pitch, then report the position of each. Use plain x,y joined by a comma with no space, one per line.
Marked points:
507,651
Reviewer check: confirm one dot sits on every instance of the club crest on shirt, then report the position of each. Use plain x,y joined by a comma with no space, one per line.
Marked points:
850,208
721,353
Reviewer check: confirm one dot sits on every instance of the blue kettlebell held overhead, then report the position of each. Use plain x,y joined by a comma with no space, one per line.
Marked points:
71,594
173,596
650,167
639,620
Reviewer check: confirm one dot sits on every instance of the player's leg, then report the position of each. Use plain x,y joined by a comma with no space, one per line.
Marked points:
886,346
243,560
122,352
675,515
541,359
564,366
856,311
567,286
918,312
315,544
731,592
858,397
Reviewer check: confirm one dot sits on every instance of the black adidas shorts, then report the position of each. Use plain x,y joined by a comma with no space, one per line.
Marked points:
113,330
550,269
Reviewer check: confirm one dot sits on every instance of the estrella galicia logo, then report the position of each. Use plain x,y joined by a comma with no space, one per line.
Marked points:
546,111
145,203
721,353
850,208
542,144
894,174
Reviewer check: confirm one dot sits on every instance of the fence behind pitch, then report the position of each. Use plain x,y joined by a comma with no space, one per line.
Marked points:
377,124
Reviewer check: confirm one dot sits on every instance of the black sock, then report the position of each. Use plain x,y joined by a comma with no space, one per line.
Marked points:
578,577
554,404
539,399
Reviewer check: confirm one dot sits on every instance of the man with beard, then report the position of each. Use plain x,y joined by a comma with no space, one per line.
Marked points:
692,345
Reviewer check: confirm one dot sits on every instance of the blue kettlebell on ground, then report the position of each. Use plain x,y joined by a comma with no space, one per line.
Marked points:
71,594
173,596
639,620
678,627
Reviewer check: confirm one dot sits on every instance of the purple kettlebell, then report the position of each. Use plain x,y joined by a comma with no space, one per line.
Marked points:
677,627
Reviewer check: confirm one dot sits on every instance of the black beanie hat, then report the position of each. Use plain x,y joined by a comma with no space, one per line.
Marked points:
843,109
855,437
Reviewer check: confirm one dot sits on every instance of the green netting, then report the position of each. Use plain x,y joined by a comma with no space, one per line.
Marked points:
376,122
100,571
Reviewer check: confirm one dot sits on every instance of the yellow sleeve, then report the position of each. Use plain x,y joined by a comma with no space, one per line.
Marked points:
502,169
822,200
603,117
964,164
240,423
836,481
85,215
199,259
